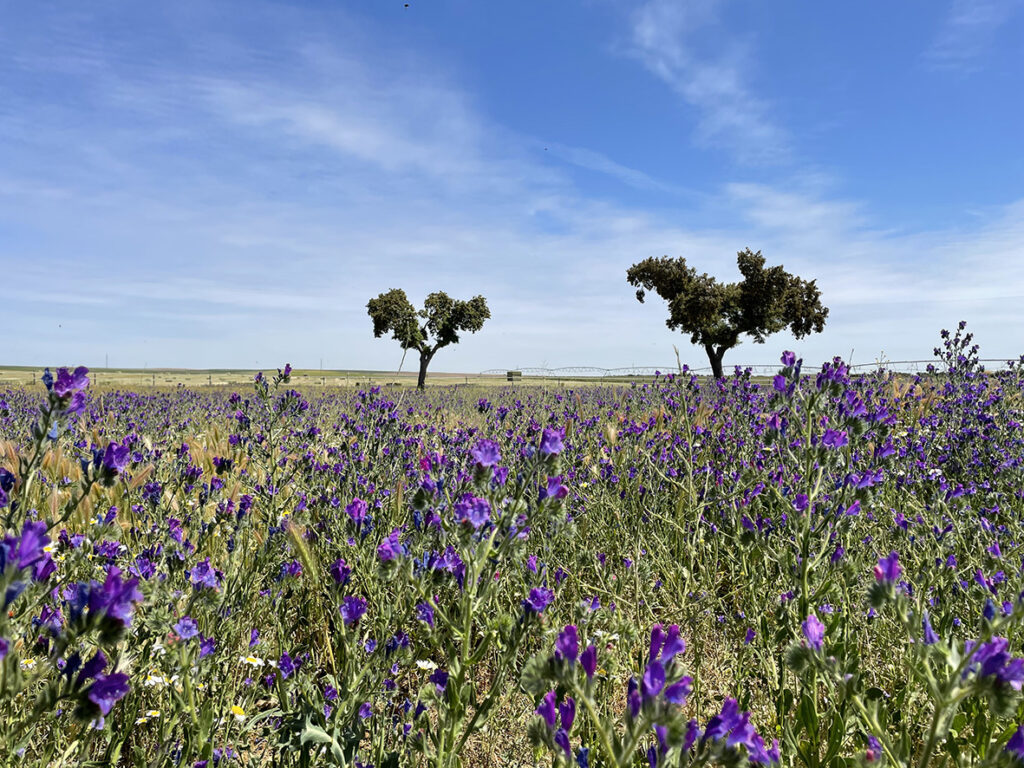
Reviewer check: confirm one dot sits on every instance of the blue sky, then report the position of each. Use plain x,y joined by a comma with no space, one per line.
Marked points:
226,184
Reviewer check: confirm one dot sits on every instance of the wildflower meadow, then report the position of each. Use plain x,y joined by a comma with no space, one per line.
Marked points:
817,569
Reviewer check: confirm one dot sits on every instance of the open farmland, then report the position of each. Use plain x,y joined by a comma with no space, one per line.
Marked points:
818,570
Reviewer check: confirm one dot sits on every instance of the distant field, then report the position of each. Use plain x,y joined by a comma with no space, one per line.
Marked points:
171,377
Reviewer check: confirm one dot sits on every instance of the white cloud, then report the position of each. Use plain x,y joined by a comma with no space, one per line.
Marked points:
665,38
967,34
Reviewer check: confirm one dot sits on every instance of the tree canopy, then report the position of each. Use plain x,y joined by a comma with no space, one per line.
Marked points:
427,330
716,315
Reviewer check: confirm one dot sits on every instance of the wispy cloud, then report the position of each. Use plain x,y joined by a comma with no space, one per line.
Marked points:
968,33
600,163
665,37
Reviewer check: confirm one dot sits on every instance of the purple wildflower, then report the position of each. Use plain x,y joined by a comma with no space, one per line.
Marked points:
356,510
588,660
834,438
679,691
539,599
814,632
206,646
186,628
107,690
203,575
554,489
114,599
1015,746
352,609
115,457
473,510
653,680
888,569
567,645
340,571
287,666
439,678
391,548
485,453
567,713
551,442
546,709
425,613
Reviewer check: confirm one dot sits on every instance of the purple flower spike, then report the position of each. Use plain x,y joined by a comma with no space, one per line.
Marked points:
539,599
888,569
391,548
186,628
562,740
473,510
567,646
551,442
115,458
546,709
486,453
814,632
204,575
28,551
425,613
588,660
91,668
654,680
554,489
834,439
567,712
352,610
633,700
69,383
1015,746
107,690
679,691
340,571
439,678
357,511
114,598
674,645
657,640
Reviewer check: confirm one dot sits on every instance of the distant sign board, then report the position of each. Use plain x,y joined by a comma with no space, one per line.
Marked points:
513,375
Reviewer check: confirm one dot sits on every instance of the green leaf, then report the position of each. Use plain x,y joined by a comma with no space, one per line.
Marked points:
535,677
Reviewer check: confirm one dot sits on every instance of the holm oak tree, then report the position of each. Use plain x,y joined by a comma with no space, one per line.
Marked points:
766,300
435,326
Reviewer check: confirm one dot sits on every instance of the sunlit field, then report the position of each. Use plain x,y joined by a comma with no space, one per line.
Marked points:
813,569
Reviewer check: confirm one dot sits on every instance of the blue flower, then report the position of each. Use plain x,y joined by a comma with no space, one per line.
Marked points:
486,453
814,632
539,599
186,628
352,609
551,442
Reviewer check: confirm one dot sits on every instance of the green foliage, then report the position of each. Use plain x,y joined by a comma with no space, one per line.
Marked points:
715,314
435,326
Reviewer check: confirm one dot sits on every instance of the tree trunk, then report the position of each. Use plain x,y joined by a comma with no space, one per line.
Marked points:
715,358
425,357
